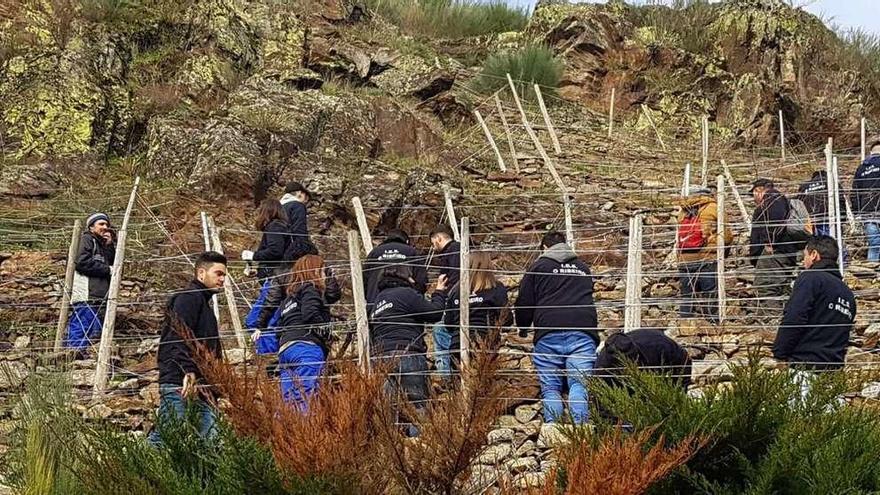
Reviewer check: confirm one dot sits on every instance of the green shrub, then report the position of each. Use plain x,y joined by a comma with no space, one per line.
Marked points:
527,66
450,18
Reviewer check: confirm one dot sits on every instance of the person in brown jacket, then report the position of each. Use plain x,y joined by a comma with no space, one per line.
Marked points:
697,255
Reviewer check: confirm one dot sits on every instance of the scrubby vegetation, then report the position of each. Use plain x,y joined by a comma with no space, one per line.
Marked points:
451,18
527,66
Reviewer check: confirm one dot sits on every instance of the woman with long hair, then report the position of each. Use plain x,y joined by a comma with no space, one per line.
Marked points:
488,306
272,222
304,328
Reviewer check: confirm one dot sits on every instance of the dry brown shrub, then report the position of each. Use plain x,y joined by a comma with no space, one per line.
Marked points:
620,464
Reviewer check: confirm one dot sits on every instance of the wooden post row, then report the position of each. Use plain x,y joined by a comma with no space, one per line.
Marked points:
464,292
491,140
450,213
507,133
240,336
633,309
739,201
611,112
66,290
364,229
722,285
207,238
547,122
360,301
104,348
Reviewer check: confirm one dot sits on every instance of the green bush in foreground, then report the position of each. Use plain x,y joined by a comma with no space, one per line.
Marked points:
527,66
450,18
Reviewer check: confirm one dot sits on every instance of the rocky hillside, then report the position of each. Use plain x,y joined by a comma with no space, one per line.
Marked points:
215,103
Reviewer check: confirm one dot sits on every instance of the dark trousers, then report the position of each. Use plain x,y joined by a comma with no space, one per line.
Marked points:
409,378
699,290
773,275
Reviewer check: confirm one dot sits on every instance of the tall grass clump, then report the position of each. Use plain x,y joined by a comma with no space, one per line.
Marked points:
529,65
683,23
451,19
861,50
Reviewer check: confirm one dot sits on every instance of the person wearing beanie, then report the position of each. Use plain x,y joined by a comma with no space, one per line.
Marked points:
91,281
866,197
294,202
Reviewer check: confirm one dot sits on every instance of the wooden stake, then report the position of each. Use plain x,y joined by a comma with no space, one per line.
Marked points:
364,229
739,201
611,112
66,290
103,366
207,238
450,213
240,335
464,293
556,148
507,133
569,223
829,187
705,176
524,117
836,227
633,311
686,181
864,138
651,121
722,287
782,135
360,301
491,140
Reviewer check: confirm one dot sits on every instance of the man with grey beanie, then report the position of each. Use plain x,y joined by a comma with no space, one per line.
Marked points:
91,281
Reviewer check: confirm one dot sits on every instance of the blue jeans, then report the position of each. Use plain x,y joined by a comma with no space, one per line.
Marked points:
408,379
872,232
442,344
301,365
84,326
268,341
699,290
173,405
562,356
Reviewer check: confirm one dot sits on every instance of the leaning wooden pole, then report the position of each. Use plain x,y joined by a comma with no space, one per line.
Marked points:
523,116
66,289
654,126
736,196
720,228
360,301
103,368
363,227
547,122
491,140
510,143
450,213
611,112
207,238
464,292
240,335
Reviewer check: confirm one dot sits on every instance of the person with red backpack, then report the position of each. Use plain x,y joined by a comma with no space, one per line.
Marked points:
697,255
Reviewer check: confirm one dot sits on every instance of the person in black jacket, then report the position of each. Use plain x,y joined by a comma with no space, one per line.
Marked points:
649,349
866,197
556,297
770,250
181,382
397,332
91,281
304,328
818,318
395,249
447,258
294,201
272,222
488,307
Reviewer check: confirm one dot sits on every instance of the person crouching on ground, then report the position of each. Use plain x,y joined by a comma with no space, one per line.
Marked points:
272,222
304,329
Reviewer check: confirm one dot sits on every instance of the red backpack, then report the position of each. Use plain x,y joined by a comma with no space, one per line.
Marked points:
690,232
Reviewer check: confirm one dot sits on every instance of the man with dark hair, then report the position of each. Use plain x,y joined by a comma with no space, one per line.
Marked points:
771,251
556,296
395,249
447,258
179,375
866,197
91,281
294,202
816,325
649,349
